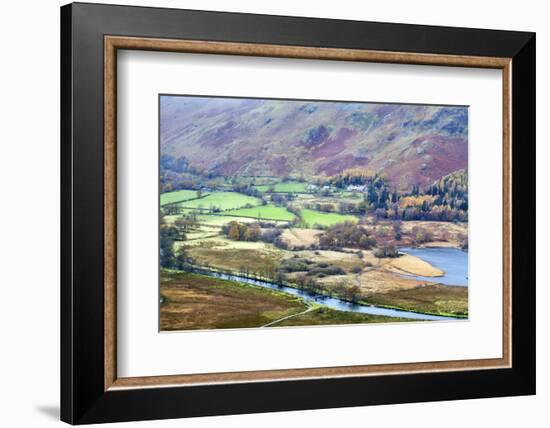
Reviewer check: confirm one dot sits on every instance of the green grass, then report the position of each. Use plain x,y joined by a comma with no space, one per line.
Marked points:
431,299
312,218
327,316
265,212
222,200
177,196
286,187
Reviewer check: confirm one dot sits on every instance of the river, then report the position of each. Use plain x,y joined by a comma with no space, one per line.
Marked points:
452,261
331,302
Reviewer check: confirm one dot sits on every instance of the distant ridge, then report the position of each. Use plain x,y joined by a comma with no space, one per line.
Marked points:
407,144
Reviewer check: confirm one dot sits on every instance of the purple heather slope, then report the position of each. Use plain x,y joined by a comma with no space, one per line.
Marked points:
408,144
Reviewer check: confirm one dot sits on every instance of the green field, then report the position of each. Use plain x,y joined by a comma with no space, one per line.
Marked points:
311,218
265,212
177,196
286,187
222,200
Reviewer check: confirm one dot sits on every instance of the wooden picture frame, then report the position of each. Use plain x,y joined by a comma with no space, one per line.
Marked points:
91,390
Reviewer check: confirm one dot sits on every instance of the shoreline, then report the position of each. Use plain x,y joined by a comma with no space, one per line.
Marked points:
439,244
407,264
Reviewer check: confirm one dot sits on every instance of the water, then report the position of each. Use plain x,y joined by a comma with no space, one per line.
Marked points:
331,302
452,261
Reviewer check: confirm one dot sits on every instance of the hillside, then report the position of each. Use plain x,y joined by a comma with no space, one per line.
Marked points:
408,144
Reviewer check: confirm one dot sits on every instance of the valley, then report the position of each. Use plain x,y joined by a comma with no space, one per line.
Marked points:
277,213
276,239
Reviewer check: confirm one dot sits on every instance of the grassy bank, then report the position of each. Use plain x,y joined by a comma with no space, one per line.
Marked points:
432,299
327,316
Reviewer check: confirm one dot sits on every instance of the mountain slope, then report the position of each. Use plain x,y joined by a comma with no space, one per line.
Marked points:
408,144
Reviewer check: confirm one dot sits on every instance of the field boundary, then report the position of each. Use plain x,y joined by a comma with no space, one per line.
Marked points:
185,200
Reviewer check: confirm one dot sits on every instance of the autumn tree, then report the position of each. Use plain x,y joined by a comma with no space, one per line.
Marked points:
252,233
234,231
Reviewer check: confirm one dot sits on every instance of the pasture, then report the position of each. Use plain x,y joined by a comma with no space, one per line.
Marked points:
263,212
177,196
222,201
312,218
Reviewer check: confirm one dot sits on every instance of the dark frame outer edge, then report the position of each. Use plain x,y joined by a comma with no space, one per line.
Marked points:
83,399
66,317
524,215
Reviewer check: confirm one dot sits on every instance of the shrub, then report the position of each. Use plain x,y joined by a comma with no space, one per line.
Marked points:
294,264
422,235
327,270
386,251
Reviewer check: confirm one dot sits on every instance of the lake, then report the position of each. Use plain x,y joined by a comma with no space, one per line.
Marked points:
452,261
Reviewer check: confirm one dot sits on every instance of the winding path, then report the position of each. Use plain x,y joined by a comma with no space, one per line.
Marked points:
289,316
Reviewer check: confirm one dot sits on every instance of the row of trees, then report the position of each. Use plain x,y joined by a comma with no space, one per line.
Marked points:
430,213
253,232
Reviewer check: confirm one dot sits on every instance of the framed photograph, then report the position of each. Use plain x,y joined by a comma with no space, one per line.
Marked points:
266,213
